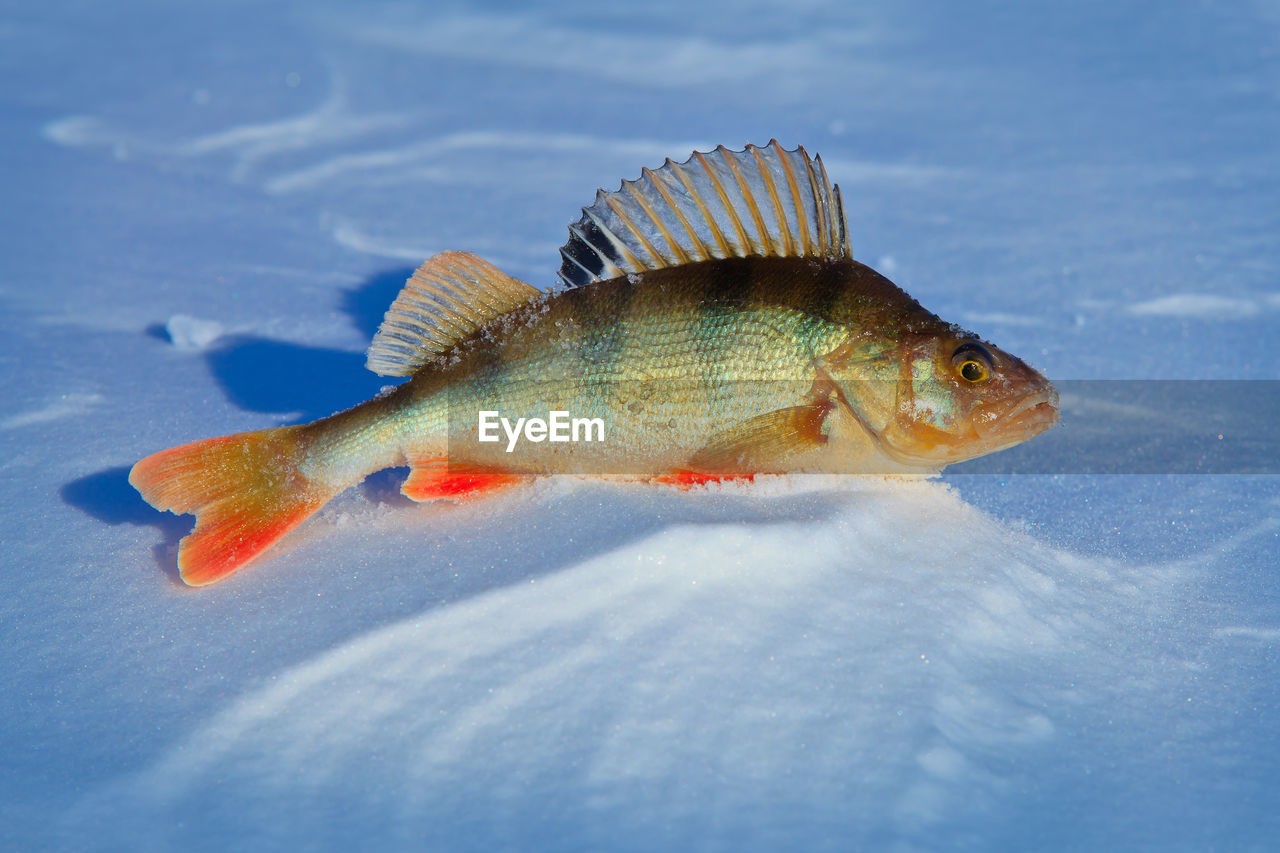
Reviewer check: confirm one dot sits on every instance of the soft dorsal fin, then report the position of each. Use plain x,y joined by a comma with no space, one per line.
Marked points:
448,298
761,202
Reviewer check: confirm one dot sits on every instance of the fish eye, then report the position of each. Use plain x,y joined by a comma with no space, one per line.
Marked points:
972,362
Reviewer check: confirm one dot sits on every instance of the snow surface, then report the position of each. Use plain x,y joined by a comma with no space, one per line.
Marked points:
209,206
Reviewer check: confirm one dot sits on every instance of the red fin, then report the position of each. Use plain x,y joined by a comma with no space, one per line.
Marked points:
245,491
687,479
433,477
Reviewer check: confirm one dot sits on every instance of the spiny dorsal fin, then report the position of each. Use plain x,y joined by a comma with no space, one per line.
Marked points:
448,298
761,202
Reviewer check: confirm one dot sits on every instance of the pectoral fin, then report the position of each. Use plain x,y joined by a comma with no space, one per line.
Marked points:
762,442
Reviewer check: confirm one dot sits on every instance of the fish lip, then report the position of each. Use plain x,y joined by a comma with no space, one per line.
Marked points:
1037,418
1030,415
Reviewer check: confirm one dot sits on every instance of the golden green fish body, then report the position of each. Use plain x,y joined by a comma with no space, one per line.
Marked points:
671,361
712,324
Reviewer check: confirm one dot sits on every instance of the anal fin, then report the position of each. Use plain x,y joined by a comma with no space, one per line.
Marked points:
433,478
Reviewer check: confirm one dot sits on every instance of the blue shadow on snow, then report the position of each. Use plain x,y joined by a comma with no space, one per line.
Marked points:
108,497
260,375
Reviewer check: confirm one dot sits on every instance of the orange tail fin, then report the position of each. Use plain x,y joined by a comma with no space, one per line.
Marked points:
245,490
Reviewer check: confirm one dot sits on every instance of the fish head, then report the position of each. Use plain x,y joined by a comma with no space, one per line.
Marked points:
938,398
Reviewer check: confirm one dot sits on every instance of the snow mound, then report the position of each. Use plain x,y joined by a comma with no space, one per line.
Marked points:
812,678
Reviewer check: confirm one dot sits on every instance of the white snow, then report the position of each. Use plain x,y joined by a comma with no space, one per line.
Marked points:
207,209
62,406
1201,306
755,652
192,333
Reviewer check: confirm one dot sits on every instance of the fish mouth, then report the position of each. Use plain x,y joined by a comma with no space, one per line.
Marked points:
1013,422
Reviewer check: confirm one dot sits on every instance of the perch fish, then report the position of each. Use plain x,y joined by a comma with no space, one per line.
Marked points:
710,323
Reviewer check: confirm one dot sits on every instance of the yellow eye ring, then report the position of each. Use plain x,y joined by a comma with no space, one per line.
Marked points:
972,362
972,370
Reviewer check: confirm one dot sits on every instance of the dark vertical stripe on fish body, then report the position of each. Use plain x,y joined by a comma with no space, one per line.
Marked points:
825,289
715,291
711,291
599,314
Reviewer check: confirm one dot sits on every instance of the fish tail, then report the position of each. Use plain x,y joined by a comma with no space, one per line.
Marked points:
245,490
